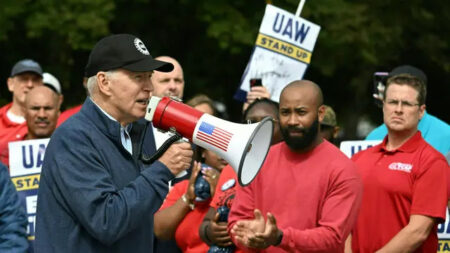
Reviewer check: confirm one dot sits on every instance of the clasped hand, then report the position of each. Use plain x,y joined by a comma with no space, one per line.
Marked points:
257,233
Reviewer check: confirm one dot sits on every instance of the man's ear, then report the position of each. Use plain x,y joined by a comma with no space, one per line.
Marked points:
321,113
422,111
10,83
103,83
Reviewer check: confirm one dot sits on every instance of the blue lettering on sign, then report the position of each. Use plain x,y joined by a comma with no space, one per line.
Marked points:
353,151
40,157
29,163
444,227
301,31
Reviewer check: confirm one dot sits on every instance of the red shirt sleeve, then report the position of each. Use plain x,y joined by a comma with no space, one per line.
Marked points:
429,197
242,209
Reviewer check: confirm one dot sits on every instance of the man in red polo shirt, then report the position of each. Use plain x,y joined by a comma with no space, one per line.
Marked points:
25,75
405,186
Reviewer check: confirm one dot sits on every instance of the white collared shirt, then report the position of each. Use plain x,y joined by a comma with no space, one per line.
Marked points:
124,131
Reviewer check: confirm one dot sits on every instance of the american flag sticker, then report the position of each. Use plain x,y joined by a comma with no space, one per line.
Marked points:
214,136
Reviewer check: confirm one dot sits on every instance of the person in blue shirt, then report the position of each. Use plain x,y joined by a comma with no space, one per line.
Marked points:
435,131
13,220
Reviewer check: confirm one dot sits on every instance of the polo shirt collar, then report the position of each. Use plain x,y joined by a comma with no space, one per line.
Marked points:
408,147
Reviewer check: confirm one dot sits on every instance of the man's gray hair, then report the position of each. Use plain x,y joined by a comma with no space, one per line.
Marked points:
92,81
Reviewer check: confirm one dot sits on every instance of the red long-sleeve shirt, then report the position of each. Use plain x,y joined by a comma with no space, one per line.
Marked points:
314,196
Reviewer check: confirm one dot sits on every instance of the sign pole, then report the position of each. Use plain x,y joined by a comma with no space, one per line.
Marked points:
299,8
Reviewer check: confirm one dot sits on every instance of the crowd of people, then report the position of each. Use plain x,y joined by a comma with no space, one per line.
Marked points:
97,193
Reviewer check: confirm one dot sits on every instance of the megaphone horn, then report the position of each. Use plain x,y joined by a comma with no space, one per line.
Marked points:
243,146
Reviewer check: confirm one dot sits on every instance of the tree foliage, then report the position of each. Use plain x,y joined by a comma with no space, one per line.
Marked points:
214,39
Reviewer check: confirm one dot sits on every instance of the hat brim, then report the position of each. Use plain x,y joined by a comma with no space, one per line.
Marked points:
22,71
149,64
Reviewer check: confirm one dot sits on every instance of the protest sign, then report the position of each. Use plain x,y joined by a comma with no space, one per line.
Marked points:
25,159
282,51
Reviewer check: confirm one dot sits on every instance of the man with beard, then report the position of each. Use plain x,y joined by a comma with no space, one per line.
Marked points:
307,194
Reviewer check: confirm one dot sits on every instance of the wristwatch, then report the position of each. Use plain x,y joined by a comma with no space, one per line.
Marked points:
189,203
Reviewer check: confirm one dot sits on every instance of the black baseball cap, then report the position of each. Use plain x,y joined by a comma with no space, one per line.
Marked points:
408,69
123,51
26,65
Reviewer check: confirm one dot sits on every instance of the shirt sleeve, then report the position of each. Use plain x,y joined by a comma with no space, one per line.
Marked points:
175,194
429,197
13,220
105,210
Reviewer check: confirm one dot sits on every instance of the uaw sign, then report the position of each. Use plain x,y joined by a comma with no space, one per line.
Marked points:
282,52
444,235
352,147
25,159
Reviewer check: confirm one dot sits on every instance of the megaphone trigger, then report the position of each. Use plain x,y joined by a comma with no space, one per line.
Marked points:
149,160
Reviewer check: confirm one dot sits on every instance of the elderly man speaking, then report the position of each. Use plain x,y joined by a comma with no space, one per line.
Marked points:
95,194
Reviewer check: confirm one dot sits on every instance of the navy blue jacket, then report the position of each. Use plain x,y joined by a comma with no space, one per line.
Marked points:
94,196
13,220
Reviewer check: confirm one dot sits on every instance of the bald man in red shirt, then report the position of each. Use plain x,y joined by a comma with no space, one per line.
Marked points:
307,194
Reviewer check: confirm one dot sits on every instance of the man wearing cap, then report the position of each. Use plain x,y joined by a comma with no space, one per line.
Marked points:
95,194
435,131
169,83
405,186
328,126
25,75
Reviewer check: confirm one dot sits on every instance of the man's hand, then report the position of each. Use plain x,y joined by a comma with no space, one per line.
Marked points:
178,157
256,233
271,234
218,233
244,231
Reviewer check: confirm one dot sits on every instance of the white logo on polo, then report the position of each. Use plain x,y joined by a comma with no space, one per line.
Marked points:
401,166
140,46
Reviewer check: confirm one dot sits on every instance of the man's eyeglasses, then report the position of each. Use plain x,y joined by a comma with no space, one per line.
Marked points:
395,103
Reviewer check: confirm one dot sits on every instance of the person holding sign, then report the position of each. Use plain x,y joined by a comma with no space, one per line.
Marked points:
405,179
95,193
307,194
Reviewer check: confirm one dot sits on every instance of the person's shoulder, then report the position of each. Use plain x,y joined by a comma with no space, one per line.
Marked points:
428,153
4,108
4,175
378,133
73,130
333,153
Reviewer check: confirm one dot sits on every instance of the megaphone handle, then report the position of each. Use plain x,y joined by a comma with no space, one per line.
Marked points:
149,160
